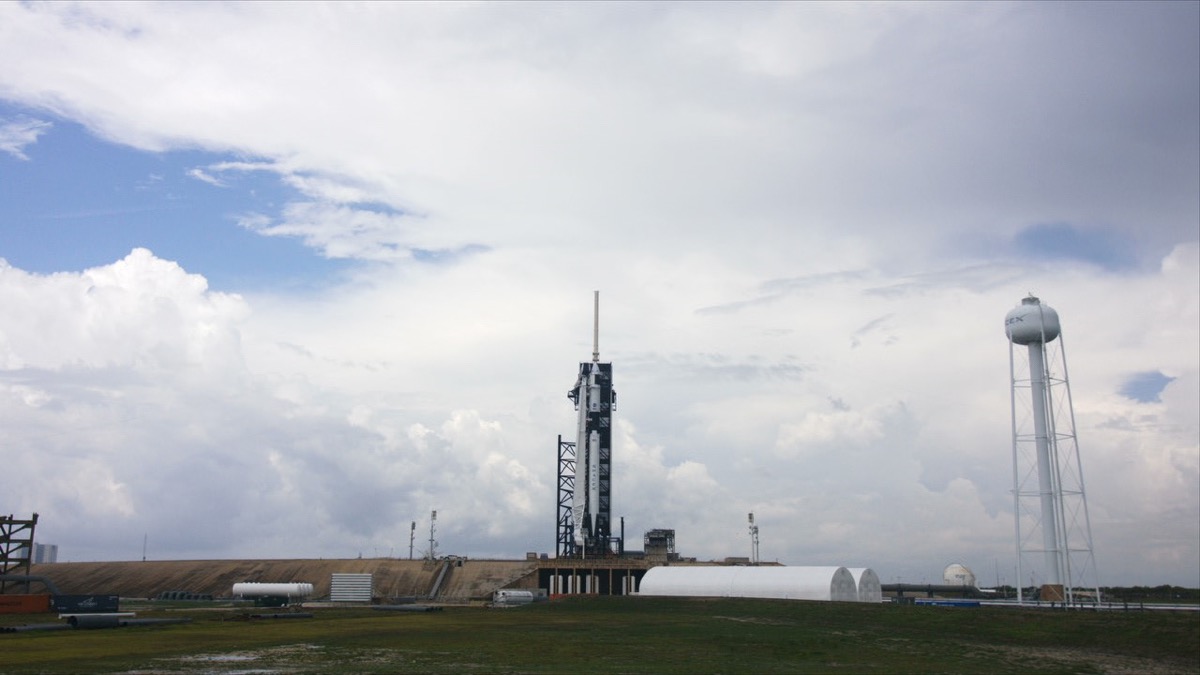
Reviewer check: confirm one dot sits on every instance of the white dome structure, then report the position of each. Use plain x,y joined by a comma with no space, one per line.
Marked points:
784,583
869,588
957,574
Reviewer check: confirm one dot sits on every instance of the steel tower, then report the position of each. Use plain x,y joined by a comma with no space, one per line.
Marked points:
1049,502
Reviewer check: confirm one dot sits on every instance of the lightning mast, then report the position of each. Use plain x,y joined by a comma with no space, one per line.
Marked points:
432,530
753,540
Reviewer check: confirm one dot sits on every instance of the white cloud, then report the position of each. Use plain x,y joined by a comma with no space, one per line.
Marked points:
801,217
17,133
205,177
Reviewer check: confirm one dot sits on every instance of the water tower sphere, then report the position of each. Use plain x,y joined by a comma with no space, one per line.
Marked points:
1032,322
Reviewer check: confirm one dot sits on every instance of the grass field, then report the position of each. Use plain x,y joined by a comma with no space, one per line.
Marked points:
625,635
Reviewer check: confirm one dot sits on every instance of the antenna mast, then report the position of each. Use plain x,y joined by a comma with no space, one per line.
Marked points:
753,541
595,326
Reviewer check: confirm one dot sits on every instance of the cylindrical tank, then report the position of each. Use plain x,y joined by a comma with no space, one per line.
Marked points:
1032,322
252,589
509,596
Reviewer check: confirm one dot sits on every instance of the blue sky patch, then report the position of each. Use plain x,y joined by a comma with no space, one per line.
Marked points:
1145,387
75,201
1062,241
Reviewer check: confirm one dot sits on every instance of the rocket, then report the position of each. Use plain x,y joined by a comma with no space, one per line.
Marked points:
594,399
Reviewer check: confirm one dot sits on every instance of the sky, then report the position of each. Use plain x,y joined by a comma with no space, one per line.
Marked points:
279,280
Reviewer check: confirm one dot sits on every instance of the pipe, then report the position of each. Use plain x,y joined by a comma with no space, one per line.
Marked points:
154,622
32,577
930,589
89,621
35,627
290,615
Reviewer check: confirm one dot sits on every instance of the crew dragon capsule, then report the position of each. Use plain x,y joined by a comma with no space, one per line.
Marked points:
594,399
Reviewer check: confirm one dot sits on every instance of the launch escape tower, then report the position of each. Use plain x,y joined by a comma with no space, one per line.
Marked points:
584,523
1050,507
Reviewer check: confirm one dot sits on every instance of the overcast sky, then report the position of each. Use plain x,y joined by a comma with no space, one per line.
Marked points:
280,279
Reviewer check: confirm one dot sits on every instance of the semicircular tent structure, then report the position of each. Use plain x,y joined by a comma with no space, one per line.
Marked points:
867,581
784,583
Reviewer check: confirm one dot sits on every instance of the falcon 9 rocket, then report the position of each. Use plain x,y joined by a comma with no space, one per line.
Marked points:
594,398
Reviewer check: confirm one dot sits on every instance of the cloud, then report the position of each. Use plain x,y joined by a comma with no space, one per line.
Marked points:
343,231
17,133
205,177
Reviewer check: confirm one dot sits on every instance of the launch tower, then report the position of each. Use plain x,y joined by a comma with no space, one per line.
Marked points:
585,467
1050,507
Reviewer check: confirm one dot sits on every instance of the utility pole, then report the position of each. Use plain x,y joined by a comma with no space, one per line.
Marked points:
412,535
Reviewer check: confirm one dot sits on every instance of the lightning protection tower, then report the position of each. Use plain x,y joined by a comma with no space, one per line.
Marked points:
1053,531
753,540
585,469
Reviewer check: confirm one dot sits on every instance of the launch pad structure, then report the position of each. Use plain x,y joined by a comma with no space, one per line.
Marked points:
584,523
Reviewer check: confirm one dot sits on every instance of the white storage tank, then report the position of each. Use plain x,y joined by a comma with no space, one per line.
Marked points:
785,583
958,574
254,589
512,596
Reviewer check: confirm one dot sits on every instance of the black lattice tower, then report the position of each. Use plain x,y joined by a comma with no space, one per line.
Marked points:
16,547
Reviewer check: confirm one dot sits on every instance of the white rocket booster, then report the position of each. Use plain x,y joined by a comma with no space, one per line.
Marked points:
593,397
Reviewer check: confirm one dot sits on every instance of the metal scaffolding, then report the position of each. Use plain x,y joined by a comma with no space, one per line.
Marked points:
565,530
16,548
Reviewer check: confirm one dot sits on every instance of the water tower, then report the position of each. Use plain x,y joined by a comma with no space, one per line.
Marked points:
1050,506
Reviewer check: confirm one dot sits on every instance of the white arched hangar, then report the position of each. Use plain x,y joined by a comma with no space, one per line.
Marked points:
785,583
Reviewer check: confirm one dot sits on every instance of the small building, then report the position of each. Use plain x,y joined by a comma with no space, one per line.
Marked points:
45,553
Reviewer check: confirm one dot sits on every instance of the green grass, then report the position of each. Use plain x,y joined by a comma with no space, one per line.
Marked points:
628,635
